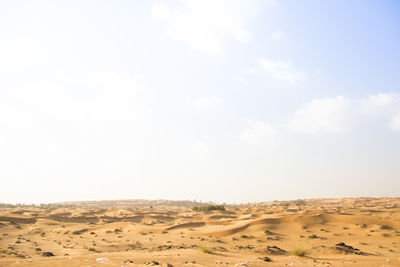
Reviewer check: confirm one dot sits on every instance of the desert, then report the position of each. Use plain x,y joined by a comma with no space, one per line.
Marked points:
314,232
200,133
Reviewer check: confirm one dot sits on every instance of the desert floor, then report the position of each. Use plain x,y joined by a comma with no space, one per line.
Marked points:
245,235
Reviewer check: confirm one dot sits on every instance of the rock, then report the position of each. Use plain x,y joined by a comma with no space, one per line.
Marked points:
246,263
274,250
47,254
342,247
267,259
244,247
152,263
78,232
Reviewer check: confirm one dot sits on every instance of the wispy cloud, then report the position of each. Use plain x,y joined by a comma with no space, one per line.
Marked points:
282,72
205,24
340,114
395,123
323,115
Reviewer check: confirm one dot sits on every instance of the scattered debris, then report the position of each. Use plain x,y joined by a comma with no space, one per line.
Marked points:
101,259
244,247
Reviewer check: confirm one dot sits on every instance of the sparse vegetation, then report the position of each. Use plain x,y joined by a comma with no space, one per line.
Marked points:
209,207
207,250
299,202
300,252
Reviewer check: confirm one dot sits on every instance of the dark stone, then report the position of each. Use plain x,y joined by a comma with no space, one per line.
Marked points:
47,254
274,250
342,247
267,259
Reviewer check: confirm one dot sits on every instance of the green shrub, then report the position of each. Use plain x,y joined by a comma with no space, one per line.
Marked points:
209,207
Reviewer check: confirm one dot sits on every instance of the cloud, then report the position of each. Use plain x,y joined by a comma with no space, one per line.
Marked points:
99,96
323,115
380,105
384,106
282,72
205,24
204,102
341,114
395,123
260,133
69,114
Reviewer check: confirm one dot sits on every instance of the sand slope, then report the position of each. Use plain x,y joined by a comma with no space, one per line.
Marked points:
335,232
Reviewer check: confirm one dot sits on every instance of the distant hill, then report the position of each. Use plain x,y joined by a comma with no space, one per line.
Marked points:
143,203
126,203
134,203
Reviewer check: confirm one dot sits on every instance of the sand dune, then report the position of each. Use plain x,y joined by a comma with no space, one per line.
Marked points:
331,232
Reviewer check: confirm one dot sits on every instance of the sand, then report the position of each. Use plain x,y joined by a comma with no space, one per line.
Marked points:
333,232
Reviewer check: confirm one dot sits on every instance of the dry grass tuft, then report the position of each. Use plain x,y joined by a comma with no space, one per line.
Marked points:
206,250
300,252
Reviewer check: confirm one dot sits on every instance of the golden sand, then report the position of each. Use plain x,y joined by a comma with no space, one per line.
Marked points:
329,232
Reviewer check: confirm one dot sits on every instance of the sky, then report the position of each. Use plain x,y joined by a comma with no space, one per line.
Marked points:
215,100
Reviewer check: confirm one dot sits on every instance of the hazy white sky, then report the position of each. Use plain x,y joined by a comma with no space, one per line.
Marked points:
226,100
